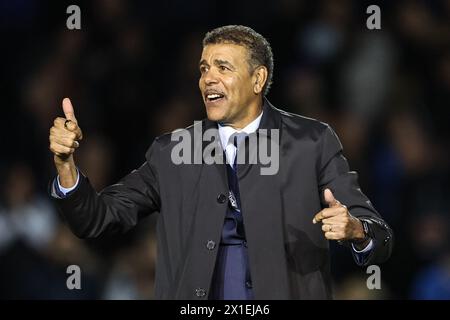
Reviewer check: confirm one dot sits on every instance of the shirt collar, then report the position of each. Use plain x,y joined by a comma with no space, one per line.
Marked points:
225,132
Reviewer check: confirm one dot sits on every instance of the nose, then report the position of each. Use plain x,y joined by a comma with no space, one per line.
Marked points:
210,77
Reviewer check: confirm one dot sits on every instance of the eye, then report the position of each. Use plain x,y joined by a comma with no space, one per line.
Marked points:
223,68
203,69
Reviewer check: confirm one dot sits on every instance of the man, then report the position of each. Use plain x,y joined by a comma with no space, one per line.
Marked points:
225,230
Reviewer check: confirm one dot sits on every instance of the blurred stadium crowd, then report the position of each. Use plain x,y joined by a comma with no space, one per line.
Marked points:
132,74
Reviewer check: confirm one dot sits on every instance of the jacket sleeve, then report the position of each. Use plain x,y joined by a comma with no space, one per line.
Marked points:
334,173
118,207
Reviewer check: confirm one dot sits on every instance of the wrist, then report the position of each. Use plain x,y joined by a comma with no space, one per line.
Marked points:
361,245
358,230
361,237
67,172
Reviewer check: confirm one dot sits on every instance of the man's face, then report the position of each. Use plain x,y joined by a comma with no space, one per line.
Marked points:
226,83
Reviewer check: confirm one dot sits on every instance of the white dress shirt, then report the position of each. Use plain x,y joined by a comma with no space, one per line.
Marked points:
225,132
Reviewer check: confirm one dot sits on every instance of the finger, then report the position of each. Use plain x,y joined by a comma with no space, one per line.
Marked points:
60,124
69,113
65,141
73,127
327,213
333,235
79,133
333,228
64,133
318,217
338,219
60,150
330,199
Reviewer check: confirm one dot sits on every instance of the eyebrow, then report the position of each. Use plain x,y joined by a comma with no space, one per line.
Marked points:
217,62
223,62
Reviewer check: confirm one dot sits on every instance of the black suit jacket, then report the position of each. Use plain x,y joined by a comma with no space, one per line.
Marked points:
288,254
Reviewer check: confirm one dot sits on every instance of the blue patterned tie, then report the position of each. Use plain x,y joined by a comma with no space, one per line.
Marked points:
238,138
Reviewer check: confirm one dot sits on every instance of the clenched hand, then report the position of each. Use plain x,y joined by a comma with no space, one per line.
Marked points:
337,222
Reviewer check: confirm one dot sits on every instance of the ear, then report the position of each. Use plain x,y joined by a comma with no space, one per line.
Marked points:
259,79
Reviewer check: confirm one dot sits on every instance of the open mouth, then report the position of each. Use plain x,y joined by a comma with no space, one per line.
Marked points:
214,96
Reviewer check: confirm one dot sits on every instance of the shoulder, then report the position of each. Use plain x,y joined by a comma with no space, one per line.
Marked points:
163,145
302,125
168,139
306,131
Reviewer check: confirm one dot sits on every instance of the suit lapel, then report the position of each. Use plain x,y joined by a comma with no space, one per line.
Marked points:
270,120
262,212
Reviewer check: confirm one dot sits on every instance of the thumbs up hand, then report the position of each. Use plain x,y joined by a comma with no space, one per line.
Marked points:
64,136
337,222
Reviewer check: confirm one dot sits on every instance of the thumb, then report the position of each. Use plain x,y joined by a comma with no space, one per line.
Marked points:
68,110
330,199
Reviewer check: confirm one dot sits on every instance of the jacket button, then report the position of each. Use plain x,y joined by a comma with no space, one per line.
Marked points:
248,284
200,292
210,245
221,198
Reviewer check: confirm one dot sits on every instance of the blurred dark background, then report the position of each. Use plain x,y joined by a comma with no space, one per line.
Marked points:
132,74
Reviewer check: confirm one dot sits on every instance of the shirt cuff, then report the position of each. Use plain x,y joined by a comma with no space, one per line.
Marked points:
64,191
366,249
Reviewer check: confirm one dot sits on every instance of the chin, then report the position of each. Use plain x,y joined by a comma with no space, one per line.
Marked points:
215,115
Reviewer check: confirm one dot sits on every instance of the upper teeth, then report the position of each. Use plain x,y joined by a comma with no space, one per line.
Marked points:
212,96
